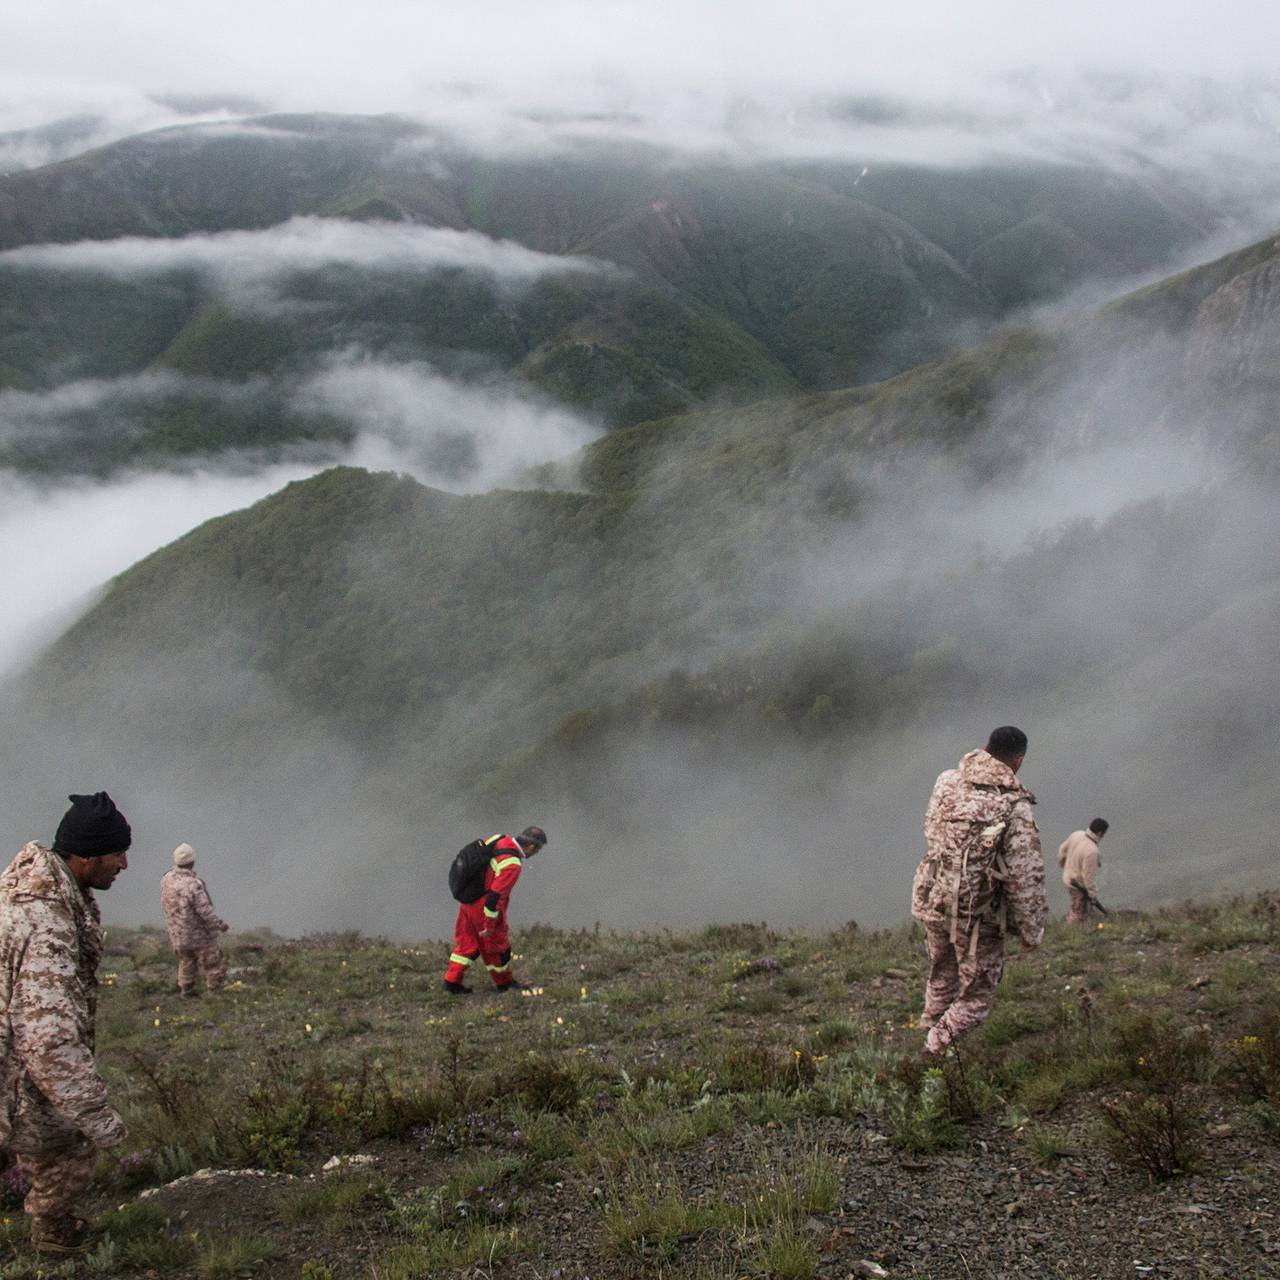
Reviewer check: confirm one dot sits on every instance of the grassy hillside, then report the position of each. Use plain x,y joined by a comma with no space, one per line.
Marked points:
729,1102
828,596
734,283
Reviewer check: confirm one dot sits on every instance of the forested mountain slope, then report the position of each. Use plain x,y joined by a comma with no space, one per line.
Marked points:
778,619
235,261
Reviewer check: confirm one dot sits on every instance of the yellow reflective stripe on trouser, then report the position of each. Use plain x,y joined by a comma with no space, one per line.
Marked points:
493,915
455,958
499,865
498,968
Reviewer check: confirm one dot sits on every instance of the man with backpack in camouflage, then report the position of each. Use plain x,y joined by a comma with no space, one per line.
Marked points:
982,876
481,879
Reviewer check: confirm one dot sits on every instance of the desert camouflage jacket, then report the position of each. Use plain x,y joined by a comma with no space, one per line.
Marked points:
982,861
50,945
189,916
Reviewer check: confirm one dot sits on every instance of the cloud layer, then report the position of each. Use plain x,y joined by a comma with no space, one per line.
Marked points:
61,545
759,80
248,263
446,433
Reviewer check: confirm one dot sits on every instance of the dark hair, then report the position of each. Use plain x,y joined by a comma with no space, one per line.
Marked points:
1099,826
1006,742
534,836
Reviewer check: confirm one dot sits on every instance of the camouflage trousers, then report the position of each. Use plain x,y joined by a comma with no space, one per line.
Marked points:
207,960
58,1177
1078,912
961,988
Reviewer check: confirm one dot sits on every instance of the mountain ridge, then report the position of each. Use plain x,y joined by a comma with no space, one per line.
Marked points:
733,282
786,585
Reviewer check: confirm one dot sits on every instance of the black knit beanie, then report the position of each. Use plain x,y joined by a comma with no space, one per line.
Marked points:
91,827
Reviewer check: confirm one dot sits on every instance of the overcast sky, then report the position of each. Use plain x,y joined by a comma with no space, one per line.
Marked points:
683,60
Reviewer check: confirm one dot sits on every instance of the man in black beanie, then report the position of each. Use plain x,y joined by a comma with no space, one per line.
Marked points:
55,1116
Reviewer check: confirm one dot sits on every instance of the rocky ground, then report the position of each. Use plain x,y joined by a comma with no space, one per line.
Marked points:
729,1103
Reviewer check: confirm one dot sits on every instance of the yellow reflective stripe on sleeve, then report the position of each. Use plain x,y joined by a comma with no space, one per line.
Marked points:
498,968
457,959
493,915
493,839
499,865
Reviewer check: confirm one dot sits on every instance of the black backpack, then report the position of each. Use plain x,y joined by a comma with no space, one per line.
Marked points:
466,871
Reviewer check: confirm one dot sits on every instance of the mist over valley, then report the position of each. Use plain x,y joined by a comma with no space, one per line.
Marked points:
695,475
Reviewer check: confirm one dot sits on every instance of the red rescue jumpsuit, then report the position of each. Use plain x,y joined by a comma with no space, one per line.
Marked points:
481,926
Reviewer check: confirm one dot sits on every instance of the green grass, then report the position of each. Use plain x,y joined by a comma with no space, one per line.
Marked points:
553,1099
337,1198
234,1256
645,1213
144,1236
473,1245
788,1253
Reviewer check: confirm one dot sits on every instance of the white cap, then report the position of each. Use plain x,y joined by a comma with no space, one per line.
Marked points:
184,856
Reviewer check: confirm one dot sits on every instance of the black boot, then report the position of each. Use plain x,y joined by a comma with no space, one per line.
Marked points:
456,988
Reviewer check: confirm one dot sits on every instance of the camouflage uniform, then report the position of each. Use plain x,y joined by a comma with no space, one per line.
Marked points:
982,876
193,927
56,1113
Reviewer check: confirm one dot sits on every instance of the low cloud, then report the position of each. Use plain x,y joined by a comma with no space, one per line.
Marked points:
61,544
1194,93
61,540
105,403
250,264
48,118
447,434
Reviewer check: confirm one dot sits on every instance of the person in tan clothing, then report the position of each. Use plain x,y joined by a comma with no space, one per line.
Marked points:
192,923
1079,859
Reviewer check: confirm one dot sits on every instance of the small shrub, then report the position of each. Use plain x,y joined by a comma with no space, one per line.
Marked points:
1160,1054
919,1119
1254,1059
832,1033
1044,1144
1156,1133
755,1068
1043,1090
542,1084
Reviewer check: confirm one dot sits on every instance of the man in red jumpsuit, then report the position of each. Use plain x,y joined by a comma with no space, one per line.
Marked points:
481,927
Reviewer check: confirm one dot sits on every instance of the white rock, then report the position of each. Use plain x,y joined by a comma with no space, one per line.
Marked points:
346,1162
